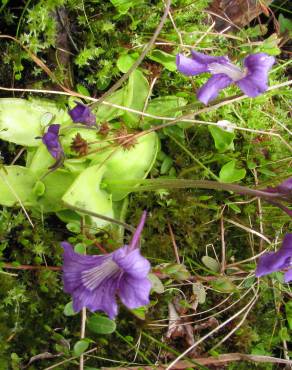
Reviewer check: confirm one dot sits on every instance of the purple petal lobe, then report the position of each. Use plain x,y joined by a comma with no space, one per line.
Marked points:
256,80
133,263
189,66
285,186
52,142
82,114
207,59
268,263
134,292
288,276
102,299
211,89
54,129
75,264
276,261
91,280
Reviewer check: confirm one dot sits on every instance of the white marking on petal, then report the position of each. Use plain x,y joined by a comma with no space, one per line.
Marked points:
94,277
229,69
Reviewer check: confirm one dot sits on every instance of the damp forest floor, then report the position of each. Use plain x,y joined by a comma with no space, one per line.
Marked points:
202,244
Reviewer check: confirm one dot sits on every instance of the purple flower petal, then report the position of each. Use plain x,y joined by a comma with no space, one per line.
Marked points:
91,280
276,261
268,263
288,276
54,129
285,187
207,59
190,67
198,63
256,80
134,292
74,264
102,299
82,114
211,89
133,263
52,142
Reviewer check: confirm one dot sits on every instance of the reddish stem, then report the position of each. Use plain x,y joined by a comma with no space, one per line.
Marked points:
29,267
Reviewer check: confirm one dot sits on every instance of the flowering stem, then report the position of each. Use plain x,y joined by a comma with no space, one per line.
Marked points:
194,158
10,266
154,184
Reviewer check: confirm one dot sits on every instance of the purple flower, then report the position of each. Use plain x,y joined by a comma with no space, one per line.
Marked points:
276,261
285,188
94,281
82,114
52,142
253,80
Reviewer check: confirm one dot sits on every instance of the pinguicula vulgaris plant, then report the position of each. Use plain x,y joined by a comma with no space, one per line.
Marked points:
58,175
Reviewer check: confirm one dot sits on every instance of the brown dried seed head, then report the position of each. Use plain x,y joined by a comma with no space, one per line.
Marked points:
126,140
79,145
104,129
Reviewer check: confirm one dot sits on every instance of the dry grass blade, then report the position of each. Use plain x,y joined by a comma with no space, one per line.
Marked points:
215,361
248,229
173,121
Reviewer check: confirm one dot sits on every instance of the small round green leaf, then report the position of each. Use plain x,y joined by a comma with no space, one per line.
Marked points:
224,285
80,248
80,347
73,227
211,263
68,309
101,325
229,172
157,285
140,312
200,292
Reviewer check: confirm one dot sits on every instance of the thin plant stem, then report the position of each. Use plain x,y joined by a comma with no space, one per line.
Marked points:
154,184
102,217
194,158
174,243
82,335
223,244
